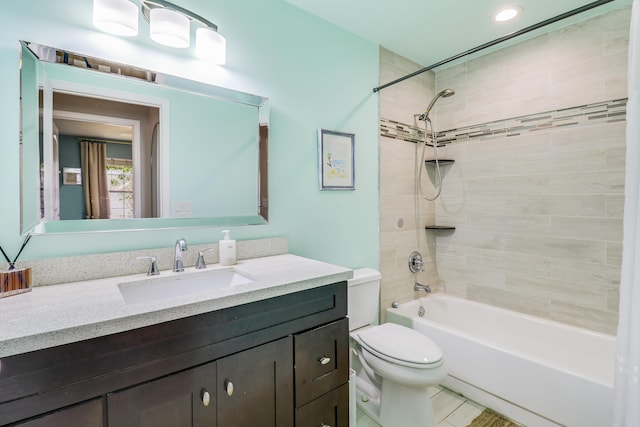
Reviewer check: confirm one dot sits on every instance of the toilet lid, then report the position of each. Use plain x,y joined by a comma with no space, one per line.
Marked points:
400,343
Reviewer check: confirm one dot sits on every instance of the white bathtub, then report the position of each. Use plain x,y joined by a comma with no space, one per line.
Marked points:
535,371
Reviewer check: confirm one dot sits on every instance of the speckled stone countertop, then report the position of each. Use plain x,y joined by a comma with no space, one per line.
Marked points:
60,314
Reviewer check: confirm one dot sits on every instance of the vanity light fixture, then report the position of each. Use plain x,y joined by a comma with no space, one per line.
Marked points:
210,44
507,14
169,25
119,17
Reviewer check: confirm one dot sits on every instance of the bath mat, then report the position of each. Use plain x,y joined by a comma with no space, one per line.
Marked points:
488,418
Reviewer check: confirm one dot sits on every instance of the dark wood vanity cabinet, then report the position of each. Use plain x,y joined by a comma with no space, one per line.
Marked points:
255,387
183,399
277,362
321,374
88,414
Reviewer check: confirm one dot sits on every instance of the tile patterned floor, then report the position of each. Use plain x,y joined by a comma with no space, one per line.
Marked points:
451,409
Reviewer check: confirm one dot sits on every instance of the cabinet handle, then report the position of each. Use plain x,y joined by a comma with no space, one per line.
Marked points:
324,360
228,387
206,397
324,425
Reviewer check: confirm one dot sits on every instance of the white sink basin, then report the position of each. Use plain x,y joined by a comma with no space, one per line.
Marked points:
178,284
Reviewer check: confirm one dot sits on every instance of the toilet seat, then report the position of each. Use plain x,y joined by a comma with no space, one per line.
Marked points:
401,345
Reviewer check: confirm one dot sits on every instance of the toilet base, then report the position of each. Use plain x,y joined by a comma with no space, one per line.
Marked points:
405,406
397,404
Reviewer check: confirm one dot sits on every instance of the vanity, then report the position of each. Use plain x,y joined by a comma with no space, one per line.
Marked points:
270,351
264,342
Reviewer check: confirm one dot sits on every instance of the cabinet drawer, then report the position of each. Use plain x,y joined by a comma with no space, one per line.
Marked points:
321,360
330,410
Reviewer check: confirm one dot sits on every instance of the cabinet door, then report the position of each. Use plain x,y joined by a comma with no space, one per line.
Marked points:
255,387
87,414
330,410
179,400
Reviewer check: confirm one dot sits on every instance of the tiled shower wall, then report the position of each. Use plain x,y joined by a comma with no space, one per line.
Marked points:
537,133
402,215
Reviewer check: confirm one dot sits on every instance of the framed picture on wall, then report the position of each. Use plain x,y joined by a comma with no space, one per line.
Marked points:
336,160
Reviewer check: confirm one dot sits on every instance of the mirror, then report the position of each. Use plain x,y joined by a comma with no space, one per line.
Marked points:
171,152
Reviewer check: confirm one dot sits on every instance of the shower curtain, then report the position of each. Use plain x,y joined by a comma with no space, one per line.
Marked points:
627,382
94,179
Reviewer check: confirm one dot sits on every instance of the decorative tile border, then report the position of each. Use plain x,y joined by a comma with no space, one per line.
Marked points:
401,131
598,113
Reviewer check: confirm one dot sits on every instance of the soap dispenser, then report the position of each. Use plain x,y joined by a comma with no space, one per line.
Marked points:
227,250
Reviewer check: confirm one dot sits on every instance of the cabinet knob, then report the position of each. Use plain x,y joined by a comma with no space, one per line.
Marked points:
324,425
228,387
324,360
206,397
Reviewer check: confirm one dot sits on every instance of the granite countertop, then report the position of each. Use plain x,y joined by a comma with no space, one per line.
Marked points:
60,314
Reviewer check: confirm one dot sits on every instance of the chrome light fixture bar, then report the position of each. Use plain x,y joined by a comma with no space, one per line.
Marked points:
169,25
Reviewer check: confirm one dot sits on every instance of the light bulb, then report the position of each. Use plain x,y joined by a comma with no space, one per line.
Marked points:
507,14
118,17
169,27
211,46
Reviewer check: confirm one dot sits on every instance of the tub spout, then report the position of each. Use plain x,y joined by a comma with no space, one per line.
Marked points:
419,287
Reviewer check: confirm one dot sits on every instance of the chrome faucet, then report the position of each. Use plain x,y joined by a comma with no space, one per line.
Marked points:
200,264
153,265
419,287
181,246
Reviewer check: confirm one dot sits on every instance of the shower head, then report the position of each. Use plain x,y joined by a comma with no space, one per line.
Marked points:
444,94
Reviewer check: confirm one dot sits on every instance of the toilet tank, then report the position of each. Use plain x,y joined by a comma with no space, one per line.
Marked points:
363,295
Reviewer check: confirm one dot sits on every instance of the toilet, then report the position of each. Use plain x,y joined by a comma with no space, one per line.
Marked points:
394,364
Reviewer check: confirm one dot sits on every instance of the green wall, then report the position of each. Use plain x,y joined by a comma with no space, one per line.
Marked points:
316,76
72,196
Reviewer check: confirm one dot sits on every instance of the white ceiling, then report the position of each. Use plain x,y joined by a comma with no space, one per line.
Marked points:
94,130
429,31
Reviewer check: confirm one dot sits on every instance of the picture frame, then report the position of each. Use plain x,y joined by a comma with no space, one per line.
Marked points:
71,176
336,160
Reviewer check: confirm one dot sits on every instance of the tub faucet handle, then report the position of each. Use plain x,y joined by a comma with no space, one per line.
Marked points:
416,264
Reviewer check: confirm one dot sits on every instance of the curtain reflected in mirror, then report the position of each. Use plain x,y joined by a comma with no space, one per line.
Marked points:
94,180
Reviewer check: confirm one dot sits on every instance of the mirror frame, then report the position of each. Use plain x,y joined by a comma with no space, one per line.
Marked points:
166,81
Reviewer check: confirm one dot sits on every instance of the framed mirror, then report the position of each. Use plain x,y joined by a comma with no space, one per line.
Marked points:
107,146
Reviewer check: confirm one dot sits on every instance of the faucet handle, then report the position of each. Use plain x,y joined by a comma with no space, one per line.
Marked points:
153,266
200,262
416,264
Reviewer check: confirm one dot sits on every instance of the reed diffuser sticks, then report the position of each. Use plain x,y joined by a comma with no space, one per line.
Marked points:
15,281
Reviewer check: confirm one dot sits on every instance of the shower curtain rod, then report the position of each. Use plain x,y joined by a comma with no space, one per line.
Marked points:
105,141
499,40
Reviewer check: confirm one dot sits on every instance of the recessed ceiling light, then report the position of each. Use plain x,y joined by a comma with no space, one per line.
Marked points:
507,14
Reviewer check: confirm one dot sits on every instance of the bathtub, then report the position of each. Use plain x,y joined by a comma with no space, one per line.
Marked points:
538,372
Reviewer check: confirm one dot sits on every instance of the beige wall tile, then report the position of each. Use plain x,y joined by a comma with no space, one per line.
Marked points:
614,253
538,216
599,320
